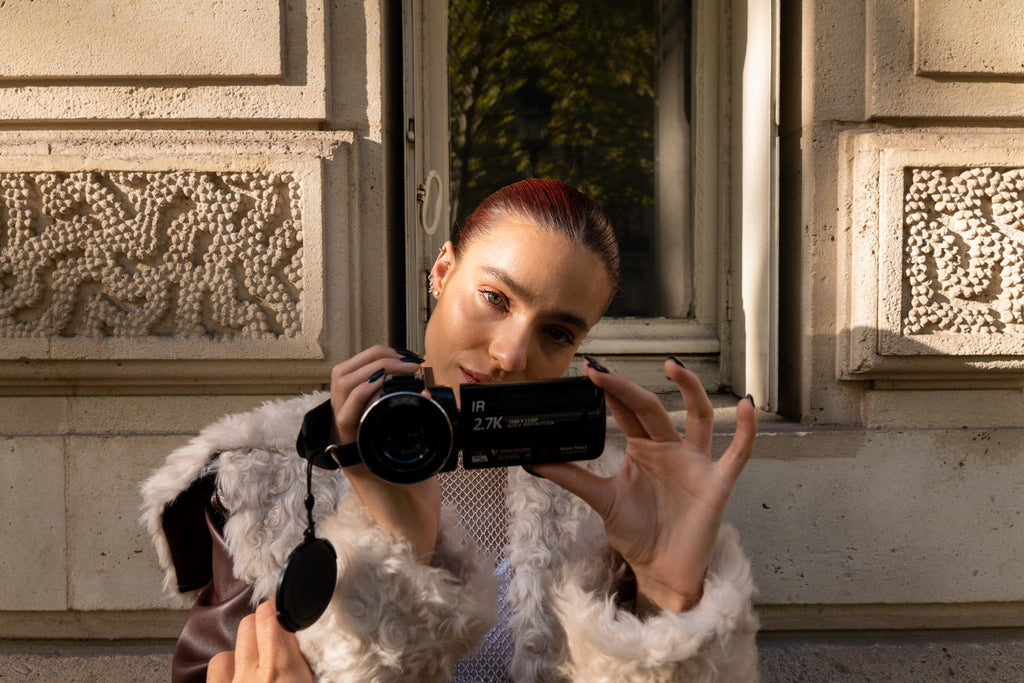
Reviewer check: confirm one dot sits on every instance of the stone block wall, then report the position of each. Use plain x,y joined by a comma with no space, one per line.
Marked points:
192,221
896,502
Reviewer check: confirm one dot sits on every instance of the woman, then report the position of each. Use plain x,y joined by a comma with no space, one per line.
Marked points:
615,569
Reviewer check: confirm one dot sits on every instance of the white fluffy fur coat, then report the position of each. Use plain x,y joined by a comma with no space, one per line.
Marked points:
394,619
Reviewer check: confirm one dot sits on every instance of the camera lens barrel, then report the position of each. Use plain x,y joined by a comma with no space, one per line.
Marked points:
405,436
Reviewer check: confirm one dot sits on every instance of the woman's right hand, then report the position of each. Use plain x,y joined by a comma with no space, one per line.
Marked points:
264,653
411,510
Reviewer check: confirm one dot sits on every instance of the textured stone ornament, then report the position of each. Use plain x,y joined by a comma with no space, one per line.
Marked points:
931,259
99,254
964,252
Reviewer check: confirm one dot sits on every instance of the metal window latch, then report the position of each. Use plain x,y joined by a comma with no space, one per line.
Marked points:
430,190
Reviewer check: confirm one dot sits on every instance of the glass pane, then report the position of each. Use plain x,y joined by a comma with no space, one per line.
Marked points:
567,89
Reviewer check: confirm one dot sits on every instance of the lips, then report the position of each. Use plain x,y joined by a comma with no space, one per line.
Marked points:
471,377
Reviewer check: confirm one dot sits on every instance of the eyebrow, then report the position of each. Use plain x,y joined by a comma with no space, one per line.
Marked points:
522,293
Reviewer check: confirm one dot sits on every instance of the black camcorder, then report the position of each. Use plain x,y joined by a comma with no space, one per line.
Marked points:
405,436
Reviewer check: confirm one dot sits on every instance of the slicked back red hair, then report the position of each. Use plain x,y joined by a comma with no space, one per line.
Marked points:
552,205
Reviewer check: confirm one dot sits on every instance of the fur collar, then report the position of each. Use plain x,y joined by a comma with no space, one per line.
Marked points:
270,429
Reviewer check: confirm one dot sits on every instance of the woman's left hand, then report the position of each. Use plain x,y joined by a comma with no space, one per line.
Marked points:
663,509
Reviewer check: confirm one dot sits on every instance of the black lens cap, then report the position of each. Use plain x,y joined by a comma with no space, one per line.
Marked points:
306,584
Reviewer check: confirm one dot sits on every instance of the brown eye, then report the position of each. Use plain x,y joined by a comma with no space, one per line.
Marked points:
560,336
495,299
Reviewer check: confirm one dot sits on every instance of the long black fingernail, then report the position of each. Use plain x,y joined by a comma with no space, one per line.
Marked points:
751,399
406,353
594,364
375,376
413,359
677,361
530,470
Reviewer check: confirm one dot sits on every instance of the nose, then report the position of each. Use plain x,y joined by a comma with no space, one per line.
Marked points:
510,347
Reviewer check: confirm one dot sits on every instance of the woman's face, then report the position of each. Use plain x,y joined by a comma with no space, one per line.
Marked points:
516,306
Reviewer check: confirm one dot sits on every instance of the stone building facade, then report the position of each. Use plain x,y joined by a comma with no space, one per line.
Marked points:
205,205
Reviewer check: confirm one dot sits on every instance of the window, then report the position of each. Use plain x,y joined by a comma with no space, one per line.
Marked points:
630,102
569,89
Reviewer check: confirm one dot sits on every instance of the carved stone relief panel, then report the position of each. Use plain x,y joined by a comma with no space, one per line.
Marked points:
934,255
963,253
169,247
187,254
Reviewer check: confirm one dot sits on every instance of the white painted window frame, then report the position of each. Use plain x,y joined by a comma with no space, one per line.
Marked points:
425,46
754,226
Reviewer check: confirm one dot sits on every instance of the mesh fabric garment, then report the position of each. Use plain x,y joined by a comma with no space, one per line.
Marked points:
479,498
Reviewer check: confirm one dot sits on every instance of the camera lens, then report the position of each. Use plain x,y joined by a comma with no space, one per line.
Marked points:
410,435
405,437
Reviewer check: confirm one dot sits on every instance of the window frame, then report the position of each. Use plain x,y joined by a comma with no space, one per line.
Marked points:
731,339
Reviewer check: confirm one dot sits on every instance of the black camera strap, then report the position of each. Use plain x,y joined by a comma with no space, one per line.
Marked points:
314,440
308,576
307,579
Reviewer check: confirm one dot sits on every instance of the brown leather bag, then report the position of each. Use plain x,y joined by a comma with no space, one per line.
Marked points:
193,526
